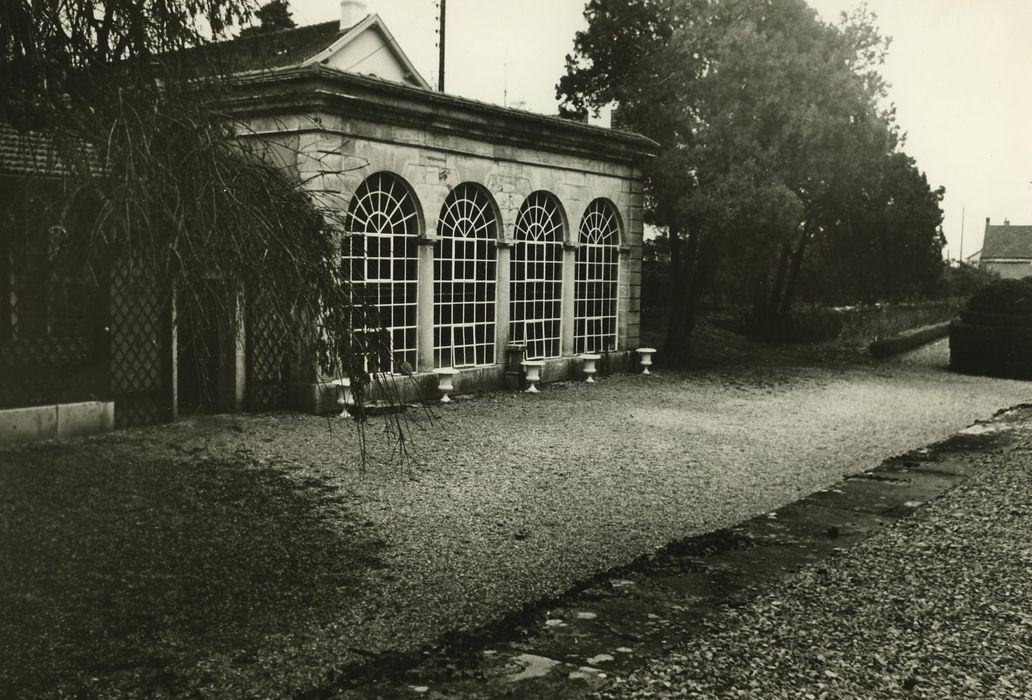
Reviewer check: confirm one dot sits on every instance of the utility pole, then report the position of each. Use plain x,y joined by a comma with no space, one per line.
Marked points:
440,64
963,210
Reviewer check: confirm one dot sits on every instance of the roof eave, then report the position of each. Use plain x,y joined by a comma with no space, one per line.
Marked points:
446,114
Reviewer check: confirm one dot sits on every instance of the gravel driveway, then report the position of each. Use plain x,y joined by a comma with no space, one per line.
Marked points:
939,605
516,497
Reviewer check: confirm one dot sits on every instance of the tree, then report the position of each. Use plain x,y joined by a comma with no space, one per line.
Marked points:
628,57
273,16
124,91
887,245
766,117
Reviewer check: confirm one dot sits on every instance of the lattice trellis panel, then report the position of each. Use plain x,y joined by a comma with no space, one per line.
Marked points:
536,274
381,259
140,346
464,280
597,272
52,319
268,364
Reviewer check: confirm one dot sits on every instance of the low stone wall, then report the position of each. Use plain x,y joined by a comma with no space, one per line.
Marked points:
867,323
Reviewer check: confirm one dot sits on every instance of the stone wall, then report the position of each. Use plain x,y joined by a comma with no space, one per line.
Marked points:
867,323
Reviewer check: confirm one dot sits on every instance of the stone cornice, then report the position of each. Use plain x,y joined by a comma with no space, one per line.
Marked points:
321,89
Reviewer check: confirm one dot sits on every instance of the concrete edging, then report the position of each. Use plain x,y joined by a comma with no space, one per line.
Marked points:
56,422
908,340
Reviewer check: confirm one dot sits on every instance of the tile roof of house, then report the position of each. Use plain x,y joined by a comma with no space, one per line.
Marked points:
32,153
1007,242
279,49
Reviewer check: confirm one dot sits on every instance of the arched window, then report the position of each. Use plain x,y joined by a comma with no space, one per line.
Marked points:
597,267
537,277
381,259
464,279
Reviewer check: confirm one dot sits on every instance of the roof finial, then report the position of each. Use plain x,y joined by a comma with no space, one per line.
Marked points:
351,13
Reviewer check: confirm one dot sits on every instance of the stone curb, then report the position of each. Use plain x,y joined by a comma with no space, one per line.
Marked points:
908,340
56,421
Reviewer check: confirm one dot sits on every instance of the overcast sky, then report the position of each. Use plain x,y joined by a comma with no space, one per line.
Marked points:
958,70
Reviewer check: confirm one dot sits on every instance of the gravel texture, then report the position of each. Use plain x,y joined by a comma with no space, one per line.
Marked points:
512,498
937,606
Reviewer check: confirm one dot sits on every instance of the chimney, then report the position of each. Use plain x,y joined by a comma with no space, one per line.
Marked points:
351,13
1006,222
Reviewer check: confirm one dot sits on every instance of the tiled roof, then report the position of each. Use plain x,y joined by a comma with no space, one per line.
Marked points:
283,48
34,153
1007,242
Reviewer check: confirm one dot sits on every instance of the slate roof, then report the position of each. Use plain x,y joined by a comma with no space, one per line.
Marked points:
1007,242
280,49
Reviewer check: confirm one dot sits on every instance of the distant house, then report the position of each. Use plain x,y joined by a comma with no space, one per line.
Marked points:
472,226
1007,250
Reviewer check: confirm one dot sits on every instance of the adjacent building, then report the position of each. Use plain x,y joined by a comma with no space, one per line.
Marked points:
1006,250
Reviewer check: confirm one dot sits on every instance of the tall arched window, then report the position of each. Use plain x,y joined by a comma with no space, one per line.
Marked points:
464,279
597,267
537,277
381,258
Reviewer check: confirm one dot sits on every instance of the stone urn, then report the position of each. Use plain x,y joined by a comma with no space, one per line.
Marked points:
533,370
344,397
645,354
589,366
446,382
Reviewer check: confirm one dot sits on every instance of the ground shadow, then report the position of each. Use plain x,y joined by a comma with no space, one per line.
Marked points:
137,571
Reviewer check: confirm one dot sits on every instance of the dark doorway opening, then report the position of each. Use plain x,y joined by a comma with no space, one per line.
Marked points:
198,354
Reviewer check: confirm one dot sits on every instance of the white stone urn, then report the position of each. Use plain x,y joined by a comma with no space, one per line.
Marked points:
646,359
589,366
344,397
533,370
446,381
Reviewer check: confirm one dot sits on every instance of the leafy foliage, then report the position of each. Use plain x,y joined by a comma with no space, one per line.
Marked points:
886,244
770,121
273,16
1012,297
113,89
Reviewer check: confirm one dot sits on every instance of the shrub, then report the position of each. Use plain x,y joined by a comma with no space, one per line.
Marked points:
1010,297
809,324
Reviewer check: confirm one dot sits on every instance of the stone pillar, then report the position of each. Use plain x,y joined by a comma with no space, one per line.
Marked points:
623,298
425,306
569,290
232,379
503,258
631,266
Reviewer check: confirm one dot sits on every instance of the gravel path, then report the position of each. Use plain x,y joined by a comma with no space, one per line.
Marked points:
516,497
937,606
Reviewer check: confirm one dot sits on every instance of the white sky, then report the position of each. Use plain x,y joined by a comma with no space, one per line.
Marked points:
957,69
